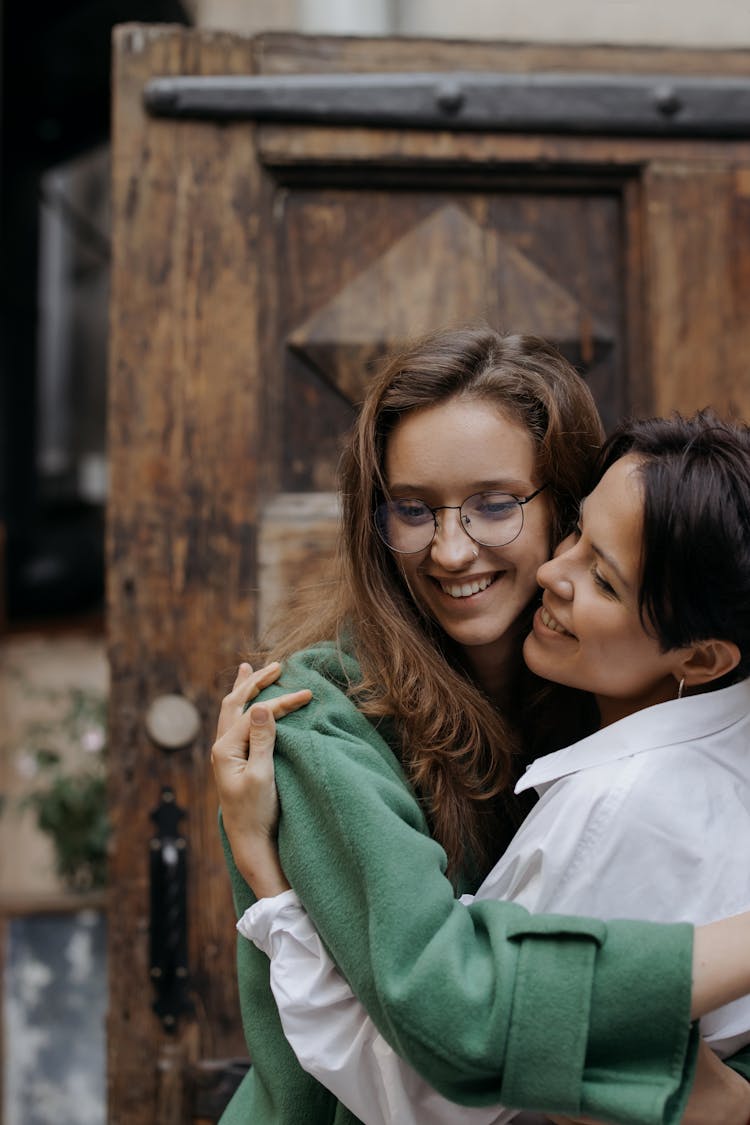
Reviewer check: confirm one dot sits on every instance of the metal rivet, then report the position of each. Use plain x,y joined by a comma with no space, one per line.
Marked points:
667,101
449,97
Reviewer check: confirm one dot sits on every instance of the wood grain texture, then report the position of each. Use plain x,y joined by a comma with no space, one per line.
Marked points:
295,147
697,223
184,435
370,268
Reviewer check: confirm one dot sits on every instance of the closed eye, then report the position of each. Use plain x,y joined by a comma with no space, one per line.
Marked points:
491,505
411,511
602,583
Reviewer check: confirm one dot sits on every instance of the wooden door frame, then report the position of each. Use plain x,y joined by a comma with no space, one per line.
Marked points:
189,262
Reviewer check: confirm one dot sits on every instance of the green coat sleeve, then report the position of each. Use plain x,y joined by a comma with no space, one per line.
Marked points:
488,1003
740,1062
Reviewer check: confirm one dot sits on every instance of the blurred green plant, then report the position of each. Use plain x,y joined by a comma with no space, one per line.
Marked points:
70,802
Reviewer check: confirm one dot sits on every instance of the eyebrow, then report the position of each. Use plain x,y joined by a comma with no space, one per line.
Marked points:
603,554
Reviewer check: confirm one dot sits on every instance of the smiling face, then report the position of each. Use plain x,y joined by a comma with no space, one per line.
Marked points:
588,632
443,455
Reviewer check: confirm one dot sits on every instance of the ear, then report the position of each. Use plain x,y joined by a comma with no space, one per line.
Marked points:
706,661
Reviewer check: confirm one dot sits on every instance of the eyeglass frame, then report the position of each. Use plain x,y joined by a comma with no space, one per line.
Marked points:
520,500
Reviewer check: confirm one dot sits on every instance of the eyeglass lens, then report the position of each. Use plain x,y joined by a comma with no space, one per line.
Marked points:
490,518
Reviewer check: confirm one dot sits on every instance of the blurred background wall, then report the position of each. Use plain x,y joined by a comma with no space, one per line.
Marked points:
667,23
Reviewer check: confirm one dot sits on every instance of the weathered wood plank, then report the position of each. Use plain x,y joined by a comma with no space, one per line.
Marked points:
281,146
698,282
636,358
184,416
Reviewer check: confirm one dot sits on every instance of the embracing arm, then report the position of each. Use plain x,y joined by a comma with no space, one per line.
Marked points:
332,1035
336,1041
721,963
487,1003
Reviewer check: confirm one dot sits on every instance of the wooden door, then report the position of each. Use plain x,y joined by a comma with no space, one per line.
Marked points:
260,272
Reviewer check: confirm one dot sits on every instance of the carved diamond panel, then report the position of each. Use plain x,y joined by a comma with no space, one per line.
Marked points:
448,269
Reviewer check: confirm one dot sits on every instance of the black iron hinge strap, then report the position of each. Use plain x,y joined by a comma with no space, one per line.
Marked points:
662,105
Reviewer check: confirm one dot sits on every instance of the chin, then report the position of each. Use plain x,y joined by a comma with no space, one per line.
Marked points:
535,660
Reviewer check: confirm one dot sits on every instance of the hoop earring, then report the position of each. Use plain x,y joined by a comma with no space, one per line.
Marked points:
681,688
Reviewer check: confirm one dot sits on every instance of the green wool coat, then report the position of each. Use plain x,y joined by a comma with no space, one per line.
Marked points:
490,1004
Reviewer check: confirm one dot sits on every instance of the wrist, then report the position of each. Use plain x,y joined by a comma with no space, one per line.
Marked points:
259,864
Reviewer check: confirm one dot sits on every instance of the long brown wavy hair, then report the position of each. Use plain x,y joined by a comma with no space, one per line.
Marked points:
461,754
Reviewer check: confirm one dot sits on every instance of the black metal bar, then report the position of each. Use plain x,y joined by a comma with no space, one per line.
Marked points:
168,946
661,105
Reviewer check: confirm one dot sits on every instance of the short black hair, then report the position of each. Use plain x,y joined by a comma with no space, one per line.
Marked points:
695,561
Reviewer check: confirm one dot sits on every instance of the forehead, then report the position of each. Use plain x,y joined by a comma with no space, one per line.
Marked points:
613,513
622,484
463,438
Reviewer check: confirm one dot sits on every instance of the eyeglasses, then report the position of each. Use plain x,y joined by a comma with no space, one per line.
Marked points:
492,519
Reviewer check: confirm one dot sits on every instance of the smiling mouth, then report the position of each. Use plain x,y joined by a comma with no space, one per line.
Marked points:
467,588
551,623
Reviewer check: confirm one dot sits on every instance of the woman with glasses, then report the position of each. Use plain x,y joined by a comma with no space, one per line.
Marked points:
465,468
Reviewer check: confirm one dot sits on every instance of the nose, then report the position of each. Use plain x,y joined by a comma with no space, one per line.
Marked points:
557,574
452,548
566,545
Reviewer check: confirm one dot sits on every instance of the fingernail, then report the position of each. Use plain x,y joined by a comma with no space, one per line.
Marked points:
259,714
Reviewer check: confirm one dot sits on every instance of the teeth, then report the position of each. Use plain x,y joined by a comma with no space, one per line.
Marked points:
550,622
465,589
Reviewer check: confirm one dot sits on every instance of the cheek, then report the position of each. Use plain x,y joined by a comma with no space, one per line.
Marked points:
533,553
524,566
611,645
642,655
537,534
413,580
594,625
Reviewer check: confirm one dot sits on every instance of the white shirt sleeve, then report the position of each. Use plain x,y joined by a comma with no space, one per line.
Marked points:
332,1035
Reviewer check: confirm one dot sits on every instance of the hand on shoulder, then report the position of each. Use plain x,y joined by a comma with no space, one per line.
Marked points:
242,761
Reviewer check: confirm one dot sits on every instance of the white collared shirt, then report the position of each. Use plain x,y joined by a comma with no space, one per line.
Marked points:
648,818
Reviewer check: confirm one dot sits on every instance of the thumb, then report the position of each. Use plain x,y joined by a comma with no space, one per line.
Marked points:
262,731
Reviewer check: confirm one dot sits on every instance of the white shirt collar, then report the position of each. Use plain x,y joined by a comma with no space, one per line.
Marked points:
666,724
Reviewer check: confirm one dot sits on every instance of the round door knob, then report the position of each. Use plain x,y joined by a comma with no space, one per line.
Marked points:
172,722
